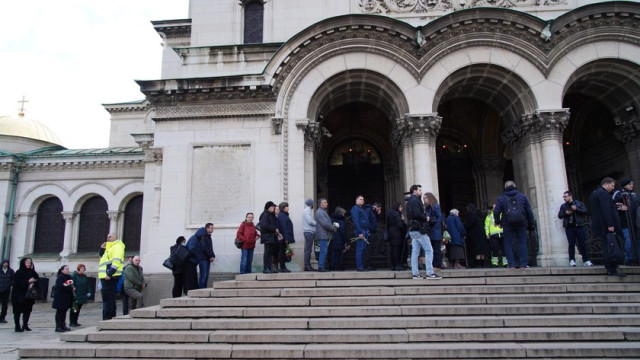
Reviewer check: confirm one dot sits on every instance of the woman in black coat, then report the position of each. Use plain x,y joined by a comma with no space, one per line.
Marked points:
179,261
476,236
268,227
25,278
62,297
338,239
396,232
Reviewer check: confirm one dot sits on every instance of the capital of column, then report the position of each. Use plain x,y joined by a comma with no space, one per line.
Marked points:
313,133
629,131
421,127
68,215
276,123
113,214
538,125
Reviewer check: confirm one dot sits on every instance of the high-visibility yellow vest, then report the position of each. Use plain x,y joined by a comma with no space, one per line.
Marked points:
490,227
113,257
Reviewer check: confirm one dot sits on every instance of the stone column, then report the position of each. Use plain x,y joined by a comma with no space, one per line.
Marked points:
422,131
114,215
629,134
68,232
538,139
312,143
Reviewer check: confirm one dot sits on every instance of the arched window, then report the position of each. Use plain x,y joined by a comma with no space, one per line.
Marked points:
132,224
253,22
94,224
49,236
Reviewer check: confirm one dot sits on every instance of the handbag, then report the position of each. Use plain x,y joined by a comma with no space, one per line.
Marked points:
168,264
614,249
32,294
238,243
182,253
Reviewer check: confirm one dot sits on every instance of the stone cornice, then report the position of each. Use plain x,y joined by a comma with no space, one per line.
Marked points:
442,7
174,31
175,91
96,164
539,125
258,108
127,107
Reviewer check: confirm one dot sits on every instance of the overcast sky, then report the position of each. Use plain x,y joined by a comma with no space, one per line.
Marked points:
67,57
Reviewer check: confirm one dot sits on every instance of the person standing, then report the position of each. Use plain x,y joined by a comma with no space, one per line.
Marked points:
418,229
134,283
513,213
434,213
572,213
6,280
627,203
268,226
360,230
604,219
372,212
201,247
457,245
179,256
285,227
309,232
24,279
81,294
396,232
248,235
336,245
109,272
324,230
496,239
62,297
475,234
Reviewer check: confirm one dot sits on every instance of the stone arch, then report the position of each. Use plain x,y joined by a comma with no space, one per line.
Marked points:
49,226
93,222
83,191
32,198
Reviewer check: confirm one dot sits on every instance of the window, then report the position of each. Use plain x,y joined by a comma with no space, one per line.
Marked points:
94,224
253,22
132,224
49,236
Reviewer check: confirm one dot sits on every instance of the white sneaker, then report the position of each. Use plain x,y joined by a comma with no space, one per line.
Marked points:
572,263
588,263
433,276
417,277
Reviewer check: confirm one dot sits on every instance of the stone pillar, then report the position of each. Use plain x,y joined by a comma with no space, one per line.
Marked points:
114,215
312,143
537,138
629,134
422,131
68,232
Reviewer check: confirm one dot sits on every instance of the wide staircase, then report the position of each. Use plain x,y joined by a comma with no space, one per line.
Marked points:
542,313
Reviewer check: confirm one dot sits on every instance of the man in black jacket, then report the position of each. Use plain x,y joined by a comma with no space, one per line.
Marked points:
514,205
604,218
418,229
6,280
572,213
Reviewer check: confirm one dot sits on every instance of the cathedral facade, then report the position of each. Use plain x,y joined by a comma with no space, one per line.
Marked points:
283,100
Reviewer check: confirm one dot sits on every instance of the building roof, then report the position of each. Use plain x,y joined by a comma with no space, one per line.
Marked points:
27,128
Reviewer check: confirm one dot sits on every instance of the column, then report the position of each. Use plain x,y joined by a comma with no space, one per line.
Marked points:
114,215
422,131
312,143
68,232
538,139
629,134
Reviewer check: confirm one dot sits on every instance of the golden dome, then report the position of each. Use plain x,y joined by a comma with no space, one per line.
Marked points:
28,128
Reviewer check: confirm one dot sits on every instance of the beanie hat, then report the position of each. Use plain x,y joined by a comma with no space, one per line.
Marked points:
269,204
80,266
625,182
308,202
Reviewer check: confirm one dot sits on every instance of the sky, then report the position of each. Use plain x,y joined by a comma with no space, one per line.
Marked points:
68,57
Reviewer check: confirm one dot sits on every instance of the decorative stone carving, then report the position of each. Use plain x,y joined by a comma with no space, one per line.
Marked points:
145,141
313,136
629,131
539,125
277,125
214,110
422,127
426,6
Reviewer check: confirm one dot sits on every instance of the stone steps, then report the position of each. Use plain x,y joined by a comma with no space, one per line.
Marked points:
547,313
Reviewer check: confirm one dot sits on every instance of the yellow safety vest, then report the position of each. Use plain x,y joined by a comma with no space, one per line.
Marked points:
490,227
112,258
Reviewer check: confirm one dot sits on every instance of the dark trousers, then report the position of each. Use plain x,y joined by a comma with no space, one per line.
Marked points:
269,251
437,253
190,271
4,298
282,254
497,245
74,315
109,294
576,234
308,248
396,252
335,259
178,285
516,237
125,302
61,315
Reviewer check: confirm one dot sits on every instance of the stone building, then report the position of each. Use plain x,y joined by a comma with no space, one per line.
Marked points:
286,99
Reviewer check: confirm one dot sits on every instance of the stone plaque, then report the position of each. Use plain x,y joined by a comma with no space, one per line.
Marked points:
221,184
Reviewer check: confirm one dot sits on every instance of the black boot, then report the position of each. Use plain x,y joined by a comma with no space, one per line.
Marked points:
16,320
25,321
59,328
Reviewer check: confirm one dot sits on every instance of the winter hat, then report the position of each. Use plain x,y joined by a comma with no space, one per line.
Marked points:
308,202
80,266
269,204
625,182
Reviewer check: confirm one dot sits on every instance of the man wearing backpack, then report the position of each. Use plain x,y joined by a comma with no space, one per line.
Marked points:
513,213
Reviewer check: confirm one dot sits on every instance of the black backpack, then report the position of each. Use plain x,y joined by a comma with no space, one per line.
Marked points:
514,213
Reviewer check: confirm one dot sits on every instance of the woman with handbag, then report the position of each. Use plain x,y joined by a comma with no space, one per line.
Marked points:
247,235
24,293
178,258
62,297
81,294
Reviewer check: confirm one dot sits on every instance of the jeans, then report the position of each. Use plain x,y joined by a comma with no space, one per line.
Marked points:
109,306
246,260
628,247
324,243
516,237
421,241
366,255
308,248
577,234
204,266
360,246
